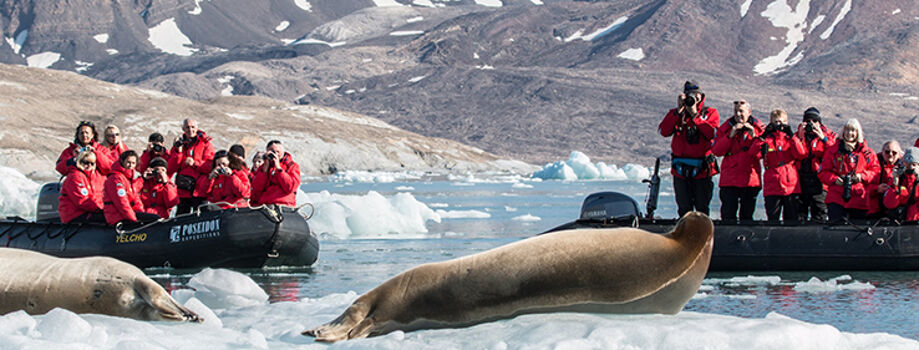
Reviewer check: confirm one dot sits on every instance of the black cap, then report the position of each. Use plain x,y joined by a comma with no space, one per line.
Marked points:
691,86
158,161
156,137
812,113
238,150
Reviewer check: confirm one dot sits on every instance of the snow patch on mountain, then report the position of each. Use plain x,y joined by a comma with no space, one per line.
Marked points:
386,3
44,59
197,10
101,38
406,32
842,15
781,15
632,54
167,37
490,3
283,25
599,33
305,5
744,7
20,39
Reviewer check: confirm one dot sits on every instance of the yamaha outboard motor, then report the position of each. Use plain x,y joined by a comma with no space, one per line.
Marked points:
609,205
47,203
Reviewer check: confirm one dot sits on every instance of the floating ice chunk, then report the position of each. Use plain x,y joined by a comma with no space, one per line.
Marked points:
17,322
527,218
304,5
370,216
18,194
842,15
746,280
462,214
438,205
490,3
210,318
509,209
521,185
405,188
43,60
63,326
579,167
815,285
101,38
282,26
167,37
223,289
632,54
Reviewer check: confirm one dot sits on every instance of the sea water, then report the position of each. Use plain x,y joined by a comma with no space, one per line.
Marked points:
462,215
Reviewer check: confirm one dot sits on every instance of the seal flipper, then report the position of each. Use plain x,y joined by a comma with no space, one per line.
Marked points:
161,306
353,323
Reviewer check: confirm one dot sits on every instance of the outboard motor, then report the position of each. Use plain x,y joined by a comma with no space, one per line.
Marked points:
609,205
47,203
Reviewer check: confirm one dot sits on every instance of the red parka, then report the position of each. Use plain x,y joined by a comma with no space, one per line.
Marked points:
159,198
277,186
779,154
706,122
122,195
202,152
875,198
233,189
816,149
115,151
67,162
837,163
904,194
145,159
739,168
81,193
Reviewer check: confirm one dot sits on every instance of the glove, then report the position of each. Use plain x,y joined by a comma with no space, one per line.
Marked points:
787,130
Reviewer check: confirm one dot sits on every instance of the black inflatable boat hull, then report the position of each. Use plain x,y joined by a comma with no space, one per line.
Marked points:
763,246
241,238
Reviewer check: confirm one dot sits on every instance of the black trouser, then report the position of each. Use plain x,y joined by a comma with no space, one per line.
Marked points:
786,206
96,216
813,205
732,196
188,205
692,194
837,213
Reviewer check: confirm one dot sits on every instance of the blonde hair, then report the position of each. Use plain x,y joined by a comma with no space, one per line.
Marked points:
777,113
107,128
853,123
82,156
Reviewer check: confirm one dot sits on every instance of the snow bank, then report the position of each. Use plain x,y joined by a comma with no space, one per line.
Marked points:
167,37
278,326
224,289
369,216
579,167
43,60
374,176
304,5
490,3
842,15
633,54
18,194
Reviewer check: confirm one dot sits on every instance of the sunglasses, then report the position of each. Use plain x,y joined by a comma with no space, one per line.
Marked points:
87,163
113,135
887,151
740,103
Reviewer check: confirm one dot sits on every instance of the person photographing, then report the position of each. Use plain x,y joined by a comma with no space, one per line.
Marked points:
278,178
691,127
190,160
740,174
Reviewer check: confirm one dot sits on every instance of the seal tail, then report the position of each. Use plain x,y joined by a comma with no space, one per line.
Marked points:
164,307
354,323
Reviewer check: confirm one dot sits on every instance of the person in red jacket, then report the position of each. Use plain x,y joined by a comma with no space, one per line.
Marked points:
112,142
817,139
121,198
81,193
740,172
277,181
903,195
889,159
257,160
84,139
780,150
159,194
155,148
692,127
191,157
846,170
238,152
226,185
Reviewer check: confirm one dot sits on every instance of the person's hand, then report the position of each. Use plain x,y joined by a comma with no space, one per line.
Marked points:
679,102
161,176
150,147
178,144
839,181
817,129
883,188
148,173
738,128
857,178
213,174
190,161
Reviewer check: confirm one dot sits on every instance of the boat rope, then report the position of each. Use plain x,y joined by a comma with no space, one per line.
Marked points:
312,210
278,217
122,232
42,232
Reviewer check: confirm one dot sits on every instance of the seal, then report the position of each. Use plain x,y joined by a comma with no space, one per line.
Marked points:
622,270
37,283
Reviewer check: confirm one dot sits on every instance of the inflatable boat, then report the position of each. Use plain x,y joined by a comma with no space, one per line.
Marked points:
770,246
210,237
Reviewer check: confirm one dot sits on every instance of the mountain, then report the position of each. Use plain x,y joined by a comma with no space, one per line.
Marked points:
40,108
529,80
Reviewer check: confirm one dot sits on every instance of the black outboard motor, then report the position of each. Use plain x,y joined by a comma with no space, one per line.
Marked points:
609,205
47,203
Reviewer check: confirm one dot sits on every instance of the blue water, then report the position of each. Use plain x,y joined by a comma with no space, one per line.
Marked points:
361,264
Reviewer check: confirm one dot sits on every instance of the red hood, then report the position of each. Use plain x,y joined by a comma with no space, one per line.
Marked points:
118,169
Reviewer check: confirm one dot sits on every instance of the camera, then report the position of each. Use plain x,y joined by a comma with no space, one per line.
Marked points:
157,148
847,187
809,127
223,171
690,100
85,148
692,135
271,155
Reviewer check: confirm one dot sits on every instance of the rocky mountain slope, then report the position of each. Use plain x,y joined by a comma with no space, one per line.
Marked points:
39,109
525,79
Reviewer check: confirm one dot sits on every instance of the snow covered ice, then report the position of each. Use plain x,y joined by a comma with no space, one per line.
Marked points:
579,167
